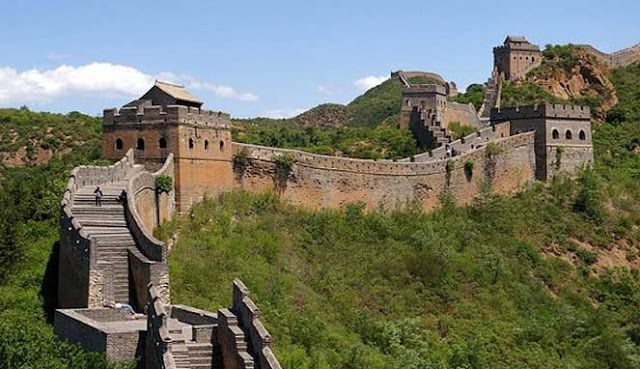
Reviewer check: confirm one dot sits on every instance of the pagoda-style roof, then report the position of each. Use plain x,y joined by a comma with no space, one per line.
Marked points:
165,93
511,39
177,91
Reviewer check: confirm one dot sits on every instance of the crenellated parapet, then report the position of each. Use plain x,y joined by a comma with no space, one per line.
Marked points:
554,111
172,114
248,316
425,89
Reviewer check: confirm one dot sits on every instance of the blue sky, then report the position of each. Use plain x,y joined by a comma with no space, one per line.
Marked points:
271,58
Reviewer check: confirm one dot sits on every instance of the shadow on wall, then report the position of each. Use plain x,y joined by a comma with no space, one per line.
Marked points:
49,285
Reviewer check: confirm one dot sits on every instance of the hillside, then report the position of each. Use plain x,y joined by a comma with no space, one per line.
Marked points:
568,73
31,138
548,278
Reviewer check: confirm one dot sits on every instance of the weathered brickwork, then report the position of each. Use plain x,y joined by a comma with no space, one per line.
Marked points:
620,58
317,181
200,141
562,135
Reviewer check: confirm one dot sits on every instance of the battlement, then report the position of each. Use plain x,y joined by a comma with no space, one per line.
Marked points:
172,114
422,89
521,47
541,111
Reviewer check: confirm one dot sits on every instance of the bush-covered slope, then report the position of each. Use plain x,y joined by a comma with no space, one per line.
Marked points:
31,138
29,215
384,141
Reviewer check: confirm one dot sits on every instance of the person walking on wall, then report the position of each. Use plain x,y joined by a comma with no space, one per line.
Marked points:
98,195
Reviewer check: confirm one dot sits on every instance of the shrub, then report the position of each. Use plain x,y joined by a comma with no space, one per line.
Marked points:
590,197
468,169
164,183
493,149
284,163
241,159
449,166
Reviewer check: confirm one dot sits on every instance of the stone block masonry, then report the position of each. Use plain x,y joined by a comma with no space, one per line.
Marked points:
317,181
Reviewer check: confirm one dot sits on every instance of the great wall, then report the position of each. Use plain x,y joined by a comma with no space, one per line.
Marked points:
109,255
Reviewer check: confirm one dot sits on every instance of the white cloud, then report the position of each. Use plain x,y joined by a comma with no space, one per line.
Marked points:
282,113
36,85
369,82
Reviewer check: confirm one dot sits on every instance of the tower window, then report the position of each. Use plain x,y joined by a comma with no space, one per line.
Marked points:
119,144
162,143
140,144
568,134
582,135
191,143
221,145
555,134
206,144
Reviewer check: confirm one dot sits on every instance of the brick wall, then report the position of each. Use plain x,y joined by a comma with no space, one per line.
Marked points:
318,181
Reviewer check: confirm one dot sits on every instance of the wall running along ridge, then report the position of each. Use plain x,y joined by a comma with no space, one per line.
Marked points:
148,261
317,181
82,281
620,58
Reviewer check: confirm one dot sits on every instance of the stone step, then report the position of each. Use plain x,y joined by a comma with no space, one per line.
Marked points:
87,200
95,210
201,366
114,239
116,244
102,223
199,347
200,360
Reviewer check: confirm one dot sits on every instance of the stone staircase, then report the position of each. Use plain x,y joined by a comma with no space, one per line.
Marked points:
439,135
107,227
189,354
491,95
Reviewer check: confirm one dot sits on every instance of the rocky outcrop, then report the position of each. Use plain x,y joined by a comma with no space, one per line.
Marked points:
585,80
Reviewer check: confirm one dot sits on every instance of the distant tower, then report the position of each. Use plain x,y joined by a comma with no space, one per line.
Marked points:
168,119
423,112
516,57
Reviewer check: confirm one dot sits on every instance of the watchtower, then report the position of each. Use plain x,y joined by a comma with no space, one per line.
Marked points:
562,135
423,112
168,119
516,57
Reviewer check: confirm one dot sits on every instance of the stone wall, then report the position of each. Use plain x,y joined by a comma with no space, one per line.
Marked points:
75,328
464,114
158,340
149,263
318,181
621,58
81,280
97,330
571,150
233,342
555,126
248,316
202,164
465,144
